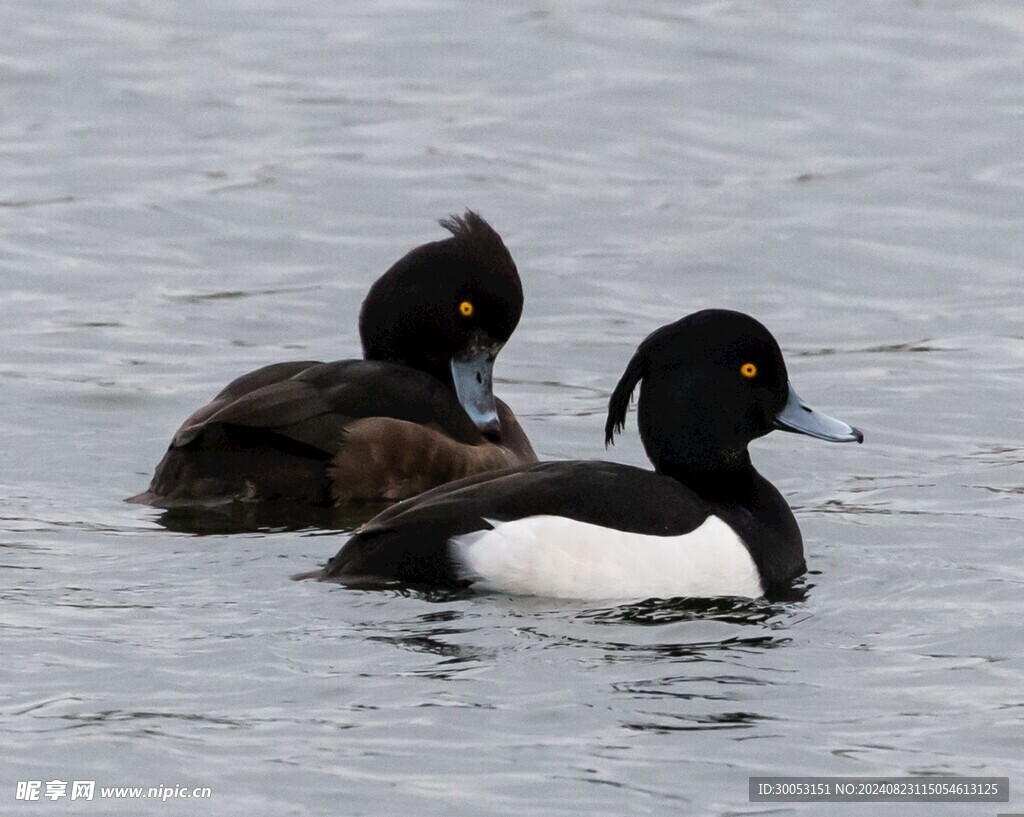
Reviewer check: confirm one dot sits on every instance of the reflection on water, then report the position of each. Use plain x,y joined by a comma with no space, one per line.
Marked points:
268,517
730,610
691,723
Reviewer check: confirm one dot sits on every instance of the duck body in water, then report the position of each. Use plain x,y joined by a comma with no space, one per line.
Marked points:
703,523
417,411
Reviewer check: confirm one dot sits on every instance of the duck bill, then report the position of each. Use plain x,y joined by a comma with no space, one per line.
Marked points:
473,376
798,417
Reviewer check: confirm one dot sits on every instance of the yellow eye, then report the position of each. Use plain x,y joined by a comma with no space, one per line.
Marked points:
748,370
466,309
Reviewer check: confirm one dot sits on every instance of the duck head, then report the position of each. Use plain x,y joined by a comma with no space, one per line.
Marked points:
447,308
711,383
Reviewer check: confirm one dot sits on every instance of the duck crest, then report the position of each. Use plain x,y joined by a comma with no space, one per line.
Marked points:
477,239
618,405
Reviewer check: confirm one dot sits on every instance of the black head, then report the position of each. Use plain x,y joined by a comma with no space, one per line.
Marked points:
447,308
711,383
441,297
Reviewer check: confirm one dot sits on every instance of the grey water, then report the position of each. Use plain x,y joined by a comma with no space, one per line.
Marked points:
189,191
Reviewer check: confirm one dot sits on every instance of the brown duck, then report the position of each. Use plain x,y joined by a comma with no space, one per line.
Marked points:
416,412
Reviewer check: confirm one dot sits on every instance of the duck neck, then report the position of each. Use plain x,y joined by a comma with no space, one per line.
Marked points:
722,478
441,370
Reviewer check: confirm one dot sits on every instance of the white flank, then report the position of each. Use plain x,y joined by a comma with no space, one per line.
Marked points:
560,557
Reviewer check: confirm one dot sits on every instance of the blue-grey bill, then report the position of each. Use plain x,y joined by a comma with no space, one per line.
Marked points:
473,376
798,417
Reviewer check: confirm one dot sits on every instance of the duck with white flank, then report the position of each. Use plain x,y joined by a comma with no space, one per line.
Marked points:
703,523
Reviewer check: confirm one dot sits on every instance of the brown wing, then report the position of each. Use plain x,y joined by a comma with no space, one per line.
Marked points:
311,403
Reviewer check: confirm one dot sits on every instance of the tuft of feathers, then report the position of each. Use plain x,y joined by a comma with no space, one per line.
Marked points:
468,225
477,238
618,404
636,370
